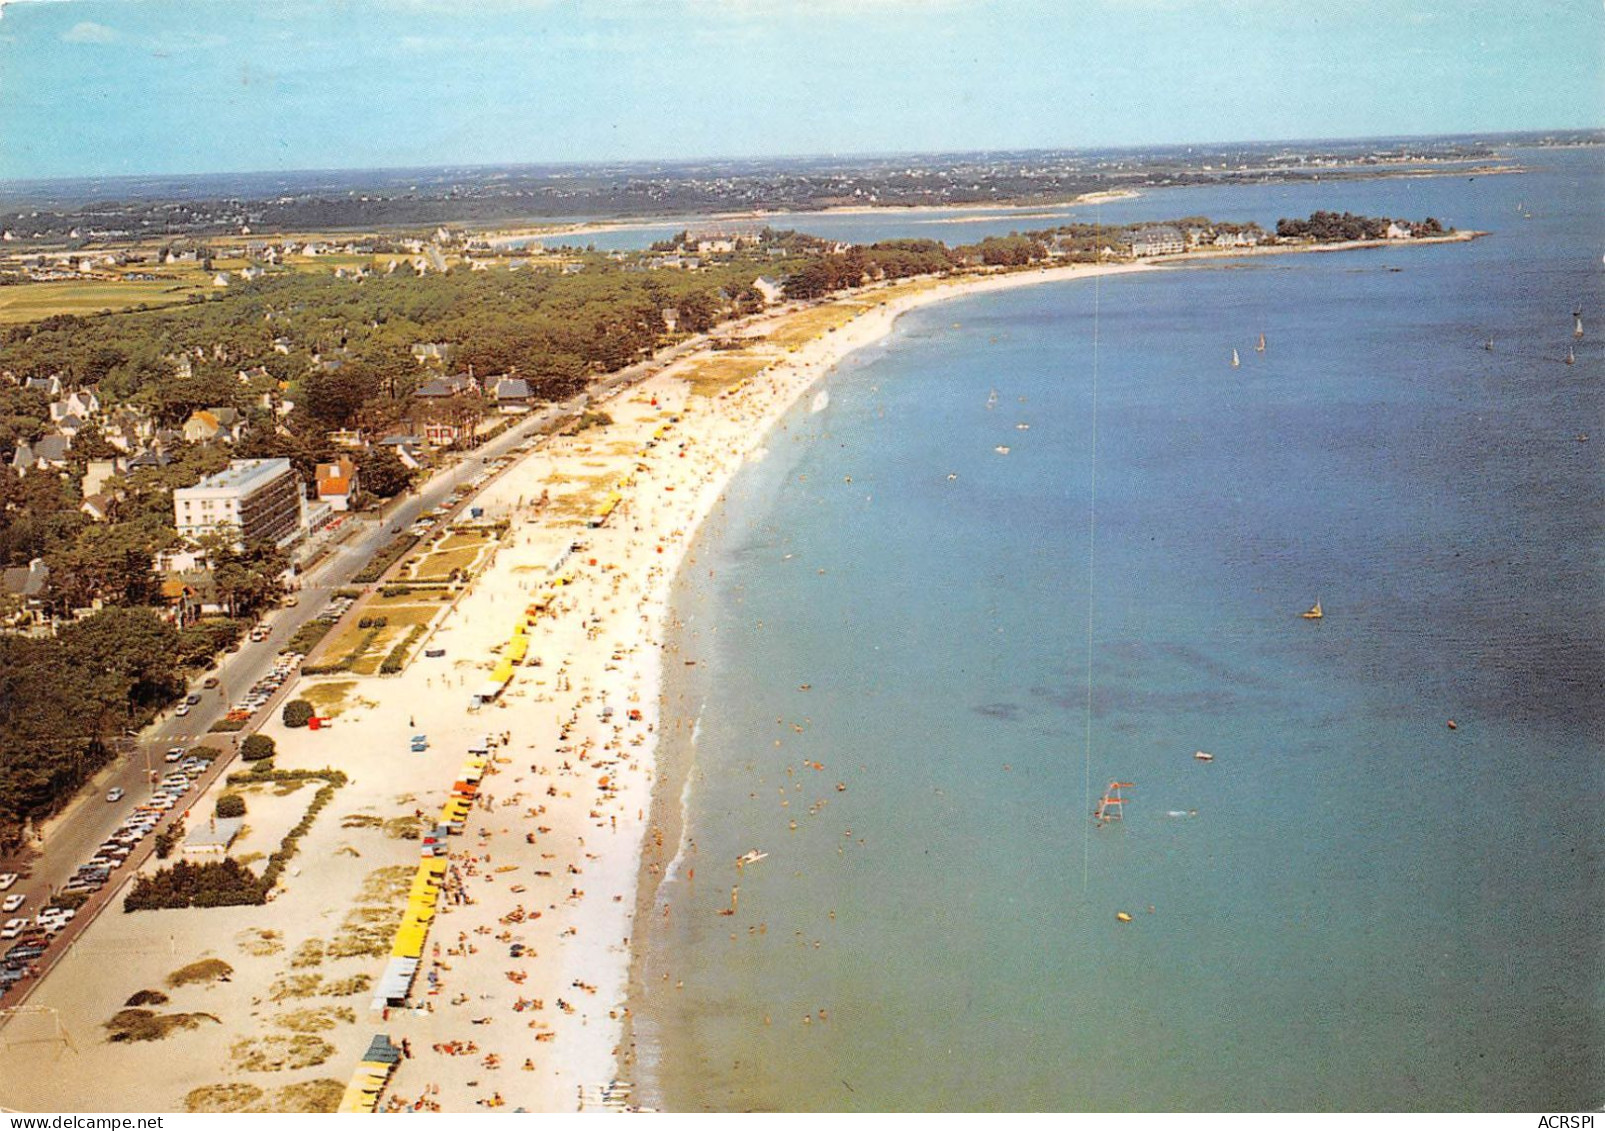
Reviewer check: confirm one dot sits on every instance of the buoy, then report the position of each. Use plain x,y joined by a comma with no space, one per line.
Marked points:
1122,916
1452,725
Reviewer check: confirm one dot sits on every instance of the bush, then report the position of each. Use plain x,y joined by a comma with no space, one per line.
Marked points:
257,747
373,622
231,805
307,636
297,713
216,883
167,839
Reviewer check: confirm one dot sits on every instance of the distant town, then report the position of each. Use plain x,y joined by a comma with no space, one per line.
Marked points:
83,214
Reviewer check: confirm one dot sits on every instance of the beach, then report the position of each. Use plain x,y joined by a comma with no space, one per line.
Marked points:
552,851
521,998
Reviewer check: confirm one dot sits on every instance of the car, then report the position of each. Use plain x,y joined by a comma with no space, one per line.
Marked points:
291,602
7,879
173,754
210,682
12,928
183,709
193,698
114,795
13,901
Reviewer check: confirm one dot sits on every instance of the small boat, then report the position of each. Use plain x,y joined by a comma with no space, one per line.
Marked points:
992,399
750,858
1488,345
1001,449
1571,357
1236,361
1260,345
1203,756
1314,613
1577,327
1022,427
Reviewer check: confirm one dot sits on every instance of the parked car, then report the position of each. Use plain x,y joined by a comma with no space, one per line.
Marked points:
7,879
13,901
12,928
174,753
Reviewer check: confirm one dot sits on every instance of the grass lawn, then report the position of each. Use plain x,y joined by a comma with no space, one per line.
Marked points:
460,539
438,565
362,645
29,302
329,699
714,375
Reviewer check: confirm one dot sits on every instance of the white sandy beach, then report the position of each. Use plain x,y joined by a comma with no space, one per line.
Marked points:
551,852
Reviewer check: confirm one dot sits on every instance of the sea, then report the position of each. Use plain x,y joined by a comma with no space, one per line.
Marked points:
1040,541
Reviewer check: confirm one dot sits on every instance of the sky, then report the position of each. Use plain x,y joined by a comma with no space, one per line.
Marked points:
109,87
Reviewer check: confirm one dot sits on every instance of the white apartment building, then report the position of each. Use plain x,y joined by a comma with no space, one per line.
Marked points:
261,500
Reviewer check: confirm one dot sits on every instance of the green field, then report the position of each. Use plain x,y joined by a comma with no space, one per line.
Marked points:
29,302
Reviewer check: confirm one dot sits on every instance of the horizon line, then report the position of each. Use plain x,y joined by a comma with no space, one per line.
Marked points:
6,182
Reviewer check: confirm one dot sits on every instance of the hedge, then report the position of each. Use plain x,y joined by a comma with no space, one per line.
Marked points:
397,659
226,882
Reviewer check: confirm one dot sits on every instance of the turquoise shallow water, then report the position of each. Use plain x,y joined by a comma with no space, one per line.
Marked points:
1354,907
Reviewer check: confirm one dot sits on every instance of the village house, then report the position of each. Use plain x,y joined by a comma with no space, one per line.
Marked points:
48,453
408,449
443,387
1398,231
443,433
512,395
1159,240
98,471
28,587
208,424
98,507
770,288
337,483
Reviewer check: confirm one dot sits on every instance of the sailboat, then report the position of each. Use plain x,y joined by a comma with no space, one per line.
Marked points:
1488,345
1577,327
1260,347
992,400
1314,612
1235,360
1571,356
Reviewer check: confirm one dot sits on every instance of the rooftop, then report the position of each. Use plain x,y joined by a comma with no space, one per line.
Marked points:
243,475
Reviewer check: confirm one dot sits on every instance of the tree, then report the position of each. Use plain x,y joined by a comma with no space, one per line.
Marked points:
257,748
231,805
297,713
133,651
383,473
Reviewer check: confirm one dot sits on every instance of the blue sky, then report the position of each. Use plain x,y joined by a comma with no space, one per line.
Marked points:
103,87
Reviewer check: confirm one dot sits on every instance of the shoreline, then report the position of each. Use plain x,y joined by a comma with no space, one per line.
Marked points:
582,792
674,756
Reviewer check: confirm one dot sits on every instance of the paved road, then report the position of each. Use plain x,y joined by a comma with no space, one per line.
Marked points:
75,835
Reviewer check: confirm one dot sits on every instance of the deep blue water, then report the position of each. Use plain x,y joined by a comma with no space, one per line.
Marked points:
1357,907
